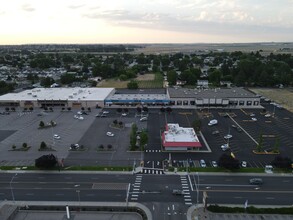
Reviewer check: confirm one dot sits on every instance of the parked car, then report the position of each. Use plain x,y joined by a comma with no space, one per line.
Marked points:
213,122
253,119
225,147
56,136
228,136
215,132
214,164
74,146
110,134
202,163
143,119
267,115
244,164
124,114
105,112
252,115
256,181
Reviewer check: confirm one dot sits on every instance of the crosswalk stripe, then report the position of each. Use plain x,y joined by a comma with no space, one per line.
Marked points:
188,203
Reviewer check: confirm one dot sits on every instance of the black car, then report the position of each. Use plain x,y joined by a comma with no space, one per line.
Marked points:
256,181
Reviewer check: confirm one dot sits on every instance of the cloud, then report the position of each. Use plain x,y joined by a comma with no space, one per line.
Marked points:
76,6
27,8
227,23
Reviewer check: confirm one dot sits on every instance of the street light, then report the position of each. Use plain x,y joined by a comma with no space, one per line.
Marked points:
12,194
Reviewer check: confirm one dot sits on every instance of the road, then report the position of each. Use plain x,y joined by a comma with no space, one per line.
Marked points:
155,191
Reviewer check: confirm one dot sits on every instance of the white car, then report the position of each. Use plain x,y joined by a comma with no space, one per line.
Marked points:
124,114
110,134
267,115
143,119
244,164
228,136
213,122
214,164
79,113
252,115
80,118
202,163
105,112
225,147
253,119
75,116
56,136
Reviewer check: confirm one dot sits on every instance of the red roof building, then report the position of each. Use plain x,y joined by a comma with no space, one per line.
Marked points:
179,138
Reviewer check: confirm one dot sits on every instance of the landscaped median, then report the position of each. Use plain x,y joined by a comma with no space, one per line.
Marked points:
250,210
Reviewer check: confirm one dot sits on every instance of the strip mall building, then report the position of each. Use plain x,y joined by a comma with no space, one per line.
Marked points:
101,97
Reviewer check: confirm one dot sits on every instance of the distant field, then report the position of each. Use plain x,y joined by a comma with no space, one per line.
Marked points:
280,96
144,81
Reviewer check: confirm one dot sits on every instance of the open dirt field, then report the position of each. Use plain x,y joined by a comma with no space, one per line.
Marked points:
280,96
116,83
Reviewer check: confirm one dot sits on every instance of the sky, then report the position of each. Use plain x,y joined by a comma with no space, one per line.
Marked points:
145,21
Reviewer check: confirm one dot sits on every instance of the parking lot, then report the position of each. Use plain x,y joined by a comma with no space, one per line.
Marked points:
91,132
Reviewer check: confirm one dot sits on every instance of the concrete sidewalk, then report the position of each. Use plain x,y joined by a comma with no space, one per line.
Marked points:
9,210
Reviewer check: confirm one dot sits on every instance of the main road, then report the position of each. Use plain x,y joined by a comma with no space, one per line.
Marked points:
155,191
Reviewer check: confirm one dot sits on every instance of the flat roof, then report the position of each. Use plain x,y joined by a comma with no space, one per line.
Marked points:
236,92
72,94
176,136
137,97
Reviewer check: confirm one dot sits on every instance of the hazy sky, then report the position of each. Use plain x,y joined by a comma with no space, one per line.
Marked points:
145,21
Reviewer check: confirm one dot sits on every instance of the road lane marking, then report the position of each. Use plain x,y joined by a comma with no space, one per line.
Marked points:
270,198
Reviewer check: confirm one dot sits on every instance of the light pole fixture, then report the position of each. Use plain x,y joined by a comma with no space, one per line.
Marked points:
12,194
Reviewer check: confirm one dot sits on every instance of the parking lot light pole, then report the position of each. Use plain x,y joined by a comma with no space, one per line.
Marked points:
12,194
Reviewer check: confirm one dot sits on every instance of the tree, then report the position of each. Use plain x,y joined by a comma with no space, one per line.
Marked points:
125,110
13,147
196,124
162,109
138,109
133,136
47,82
24,145
143,139
145,109
228,162
277,145
169,110
119,110
42,124
282,162
120,123
109,146
115,122
132,85
46,162
101,147
172,77
43,145
259,146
